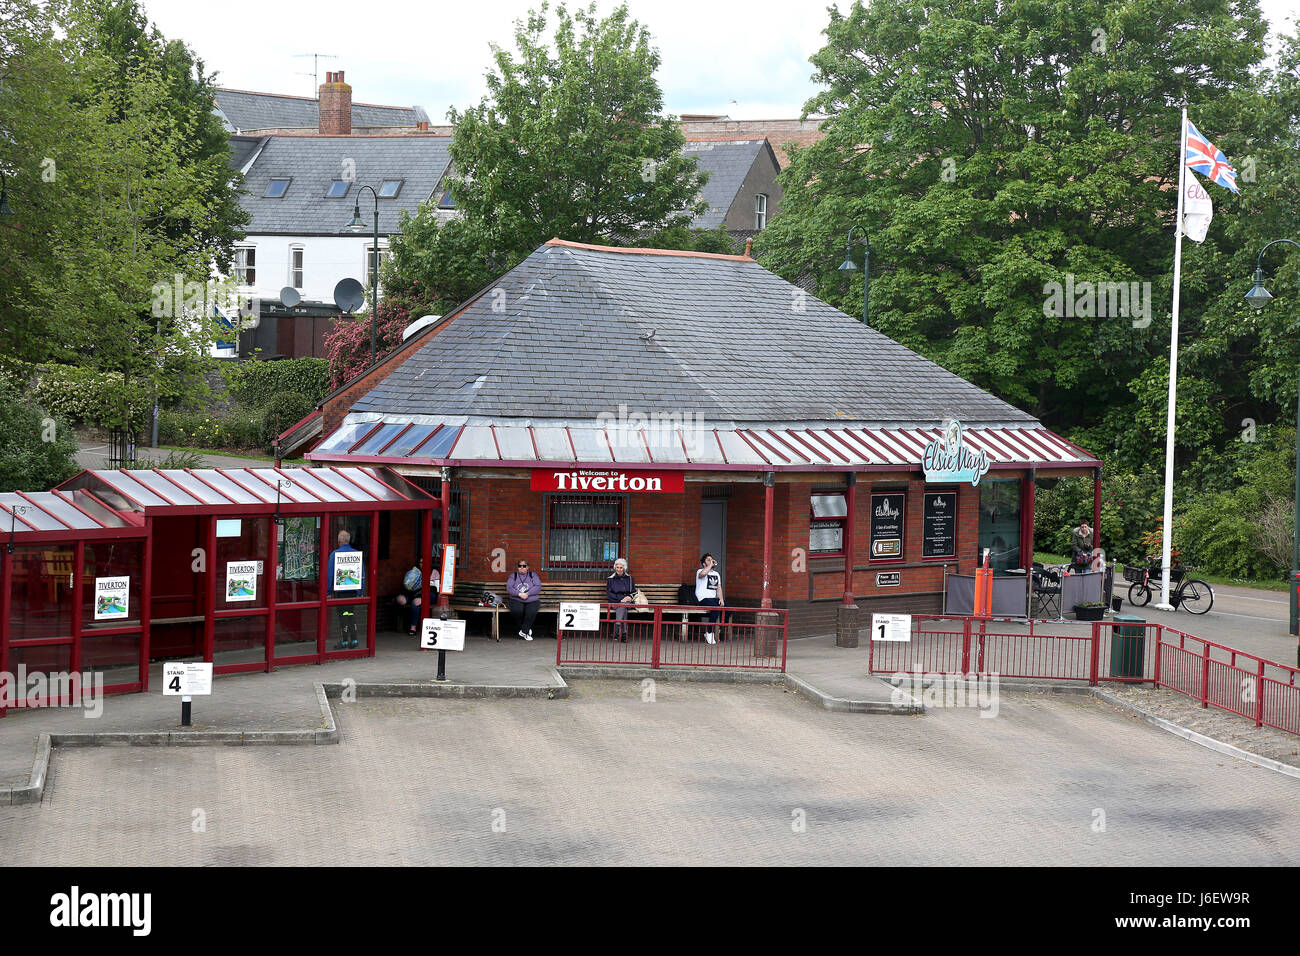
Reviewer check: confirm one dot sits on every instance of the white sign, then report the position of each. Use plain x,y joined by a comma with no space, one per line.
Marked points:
112,598
448,583
1197,210
891,627
439,635
579,616
185,679
948,458
241,580
347,570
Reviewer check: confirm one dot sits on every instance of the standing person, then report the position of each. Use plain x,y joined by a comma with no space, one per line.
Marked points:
1081,544
347,614
619,588
523,597
708,592
408,603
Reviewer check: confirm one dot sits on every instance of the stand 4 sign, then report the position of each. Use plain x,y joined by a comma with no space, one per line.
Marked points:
439,635
891,627
187,679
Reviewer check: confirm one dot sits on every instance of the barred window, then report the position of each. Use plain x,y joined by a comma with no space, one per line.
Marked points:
585,533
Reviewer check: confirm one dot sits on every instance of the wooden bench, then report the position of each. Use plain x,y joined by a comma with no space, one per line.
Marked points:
466,598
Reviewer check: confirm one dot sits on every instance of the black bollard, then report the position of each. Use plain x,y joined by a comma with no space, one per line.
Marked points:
185,712
442,665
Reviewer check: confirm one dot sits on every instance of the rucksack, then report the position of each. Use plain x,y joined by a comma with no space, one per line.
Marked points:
685,595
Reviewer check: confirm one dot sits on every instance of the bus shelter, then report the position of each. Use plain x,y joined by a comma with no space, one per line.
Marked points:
249,568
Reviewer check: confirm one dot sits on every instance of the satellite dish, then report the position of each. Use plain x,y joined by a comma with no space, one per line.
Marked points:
348,295
423,322
289,297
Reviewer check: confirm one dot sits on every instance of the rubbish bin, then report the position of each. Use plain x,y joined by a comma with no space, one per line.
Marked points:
1127,646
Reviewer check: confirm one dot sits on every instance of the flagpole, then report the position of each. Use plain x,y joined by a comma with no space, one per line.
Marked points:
1164,604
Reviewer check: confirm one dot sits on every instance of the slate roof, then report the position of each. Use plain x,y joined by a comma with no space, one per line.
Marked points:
242,149
731,341
728,163
313,162
247,111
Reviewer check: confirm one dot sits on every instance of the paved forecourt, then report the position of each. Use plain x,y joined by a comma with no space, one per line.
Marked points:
703,773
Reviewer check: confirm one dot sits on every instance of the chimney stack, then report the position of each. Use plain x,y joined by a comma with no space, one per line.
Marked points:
335,103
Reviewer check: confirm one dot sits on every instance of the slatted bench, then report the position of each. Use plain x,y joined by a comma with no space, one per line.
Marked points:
466,598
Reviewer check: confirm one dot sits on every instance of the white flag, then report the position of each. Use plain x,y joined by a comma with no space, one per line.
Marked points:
1197,210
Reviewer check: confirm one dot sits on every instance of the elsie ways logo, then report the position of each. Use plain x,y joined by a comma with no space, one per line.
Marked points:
949,458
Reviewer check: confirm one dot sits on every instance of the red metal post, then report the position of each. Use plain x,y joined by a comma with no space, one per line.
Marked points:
654,636
323,619
965,645
1205,674
769,507
374,580
1259,696
426,538
850,498
271,564
980,665
1159,642
146,605
1096,509
78,591
210,593
1096,652
444,600
785,639
6,583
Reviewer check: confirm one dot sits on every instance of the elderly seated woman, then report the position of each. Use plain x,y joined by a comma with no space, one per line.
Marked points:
619,588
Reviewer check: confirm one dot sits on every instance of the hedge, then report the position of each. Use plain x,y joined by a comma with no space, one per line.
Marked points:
256,383
87,397
238,428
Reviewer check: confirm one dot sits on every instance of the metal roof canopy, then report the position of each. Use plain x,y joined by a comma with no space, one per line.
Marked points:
248,491
37,516
370,439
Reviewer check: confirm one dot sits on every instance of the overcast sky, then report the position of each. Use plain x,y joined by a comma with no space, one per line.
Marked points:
745,58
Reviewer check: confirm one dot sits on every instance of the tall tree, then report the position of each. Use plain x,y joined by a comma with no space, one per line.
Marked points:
994,148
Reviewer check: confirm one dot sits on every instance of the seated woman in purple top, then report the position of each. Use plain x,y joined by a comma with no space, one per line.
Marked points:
619,588
523,597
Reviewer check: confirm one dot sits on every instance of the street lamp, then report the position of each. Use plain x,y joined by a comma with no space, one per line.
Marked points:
356,225
1258,297
848,265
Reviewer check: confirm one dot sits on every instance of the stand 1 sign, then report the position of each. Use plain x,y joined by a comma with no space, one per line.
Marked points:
186,679
579,616
891,627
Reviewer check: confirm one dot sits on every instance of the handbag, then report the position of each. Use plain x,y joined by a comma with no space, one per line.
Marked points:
638,597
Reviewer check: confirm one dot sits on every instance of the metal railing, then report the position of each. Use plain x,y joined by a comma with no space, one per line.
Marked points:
1098,651
670,635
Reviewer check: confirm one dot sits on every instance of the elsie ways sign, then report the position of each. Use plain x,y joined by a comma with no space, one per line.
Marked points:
950,459
612,479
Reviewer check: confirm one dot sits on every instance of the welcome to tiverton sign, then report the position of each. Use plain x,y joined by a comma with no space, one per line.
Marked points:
615,479
949,459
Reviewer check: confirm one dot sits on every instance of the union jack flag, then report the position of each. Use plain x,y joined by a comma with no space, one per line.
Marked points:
1204,157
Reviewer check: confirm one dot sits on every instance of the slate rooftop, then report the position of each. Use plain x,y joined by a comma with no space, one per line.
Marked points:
250,112
577,330
728,163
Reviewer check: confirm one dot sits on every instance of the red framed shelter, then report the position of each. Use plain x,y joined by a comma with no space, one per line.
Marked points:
229,565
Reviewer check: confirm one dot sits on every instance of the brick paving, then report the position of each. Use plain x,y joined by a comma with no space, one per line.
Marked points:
705,774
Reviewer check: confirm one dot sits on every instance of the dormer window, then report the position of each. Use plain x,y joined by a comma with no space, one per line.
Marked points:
447,201
277,188
389,188
338,189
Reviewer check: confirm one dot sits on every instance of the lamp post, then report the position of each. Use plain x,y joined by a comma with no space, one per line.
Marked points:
848,265
1258,297
356,225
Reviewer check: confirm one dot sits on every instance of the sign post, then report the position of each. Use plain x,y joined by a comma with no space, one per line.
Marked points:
187,679
442,635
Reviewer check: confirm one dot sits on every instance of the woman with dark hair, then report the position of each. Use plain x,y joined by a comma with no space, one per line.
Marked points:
708,592
524,597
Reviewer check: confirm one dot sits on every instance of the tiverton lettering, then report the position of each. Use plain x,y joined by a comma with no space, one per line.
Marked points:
582,481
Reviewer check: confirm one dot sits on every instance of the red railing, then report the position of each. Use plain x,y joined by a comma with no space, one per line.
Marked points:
1216,675
664,635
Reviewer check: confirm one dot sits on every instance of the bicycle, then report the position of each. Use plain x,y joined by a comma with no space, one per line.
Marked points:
1192,593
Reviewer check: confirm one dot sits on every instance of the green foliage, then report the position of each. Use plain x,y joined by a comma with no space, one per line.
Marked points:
84,396
173,459
36,452
1131,505
280,412
256,384
239,428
